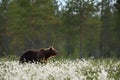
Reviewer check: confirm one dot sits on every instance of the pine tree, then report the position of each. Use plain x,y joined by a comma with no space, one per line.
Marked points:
116,41
4,4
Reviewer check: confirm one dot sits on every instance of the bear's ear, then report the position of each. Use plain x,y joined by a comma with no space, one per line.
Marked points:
51,48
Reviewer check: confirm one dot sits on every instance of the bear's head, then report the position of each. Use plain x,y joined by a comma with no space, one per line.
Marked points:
53,51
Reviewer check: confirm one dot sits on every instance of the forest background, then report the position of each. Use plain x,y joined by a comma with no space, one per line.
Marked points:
77,28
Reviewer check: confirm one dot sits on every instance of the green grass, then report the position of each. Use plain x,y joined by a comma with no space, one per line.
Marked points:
64,69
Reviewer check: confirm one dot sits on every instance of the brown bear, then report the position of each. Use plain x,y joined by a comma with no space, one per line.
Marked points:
41,55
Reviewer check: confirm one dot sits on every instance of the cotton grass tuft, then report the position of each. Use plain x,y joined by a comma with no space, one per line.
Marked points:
61,70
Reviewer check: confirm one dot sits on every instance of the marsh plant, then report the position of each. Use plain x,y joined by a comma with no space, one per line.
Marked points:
64,69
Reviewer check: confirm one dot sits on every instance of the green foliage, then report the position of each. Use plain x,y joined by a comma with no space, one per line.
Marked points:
9,58
80,28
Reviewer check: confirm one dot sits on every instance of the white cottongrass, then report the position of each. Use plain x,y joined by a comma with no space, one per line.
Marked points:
60,70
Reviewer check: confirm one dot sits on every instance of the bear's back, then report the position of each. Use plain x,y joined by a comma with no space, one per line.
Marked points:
30,55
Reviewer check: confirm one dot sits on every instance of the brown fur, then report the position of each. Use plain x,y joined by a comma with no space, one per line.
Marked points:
40,55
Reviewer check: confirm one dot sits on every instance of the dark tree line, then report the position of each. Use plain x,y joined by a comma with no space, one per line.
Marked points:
80,28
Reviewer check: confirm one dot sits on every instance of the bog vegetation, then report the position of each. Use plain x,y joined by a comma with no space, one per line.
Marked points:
63,69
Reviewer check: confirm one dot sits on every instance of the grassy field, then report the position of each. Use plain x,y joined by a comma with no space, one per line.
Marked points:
64,69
